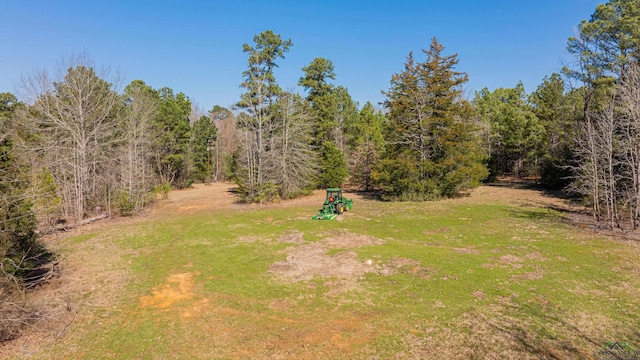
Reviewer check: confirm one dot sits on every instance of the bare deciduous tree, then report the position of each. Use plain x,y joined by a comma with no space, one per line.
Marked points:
74,116
136,174
292,162
608,150
629,96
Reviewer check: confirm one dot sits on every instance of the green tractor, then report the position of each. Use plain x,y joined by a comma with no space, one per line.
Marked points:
334,205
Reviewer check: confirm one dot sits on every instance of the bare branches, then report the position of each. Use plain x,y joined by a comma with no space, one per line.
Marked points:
73,115
293,162
608,149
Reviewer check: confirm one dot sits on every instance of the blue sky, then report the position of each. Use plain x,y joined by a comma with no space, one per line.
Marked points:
195,47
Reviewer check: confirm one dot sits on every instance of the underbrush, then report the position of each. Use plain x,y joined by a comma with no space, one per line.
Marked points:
16,311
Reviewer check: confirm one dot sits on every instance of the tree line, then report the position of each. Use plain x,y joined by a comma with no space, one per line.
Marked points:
75,146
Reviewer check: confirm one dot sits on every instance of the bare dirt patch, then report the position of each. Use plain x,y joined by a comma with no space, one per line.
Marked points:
511,260
308,261
403,265
305,262
179,287
350,241
292,237
536,256
467,250
538,274
344,269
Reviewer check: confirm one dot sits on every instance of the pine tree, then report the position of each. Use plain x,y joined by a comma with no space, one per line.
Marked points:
516,135
171,137
259,125
334,166
556,113
432,150
203,140
20,250
367,141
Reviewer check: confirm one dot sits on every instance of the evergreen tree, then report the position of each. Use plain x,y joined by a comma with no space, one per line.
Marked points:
203,140
515,135
20,250
259,125
345,116
606,43
334,166
335,113
367,141
606,49
171,137
556,115
315,79
432,150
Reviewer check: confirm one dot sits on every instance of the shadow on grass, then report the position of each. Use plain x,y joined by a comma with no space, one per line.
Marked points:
536,215
527,184
375,195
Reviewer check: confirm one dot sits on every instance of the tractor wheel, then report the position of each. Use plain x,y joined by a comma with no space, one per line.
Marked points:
339,208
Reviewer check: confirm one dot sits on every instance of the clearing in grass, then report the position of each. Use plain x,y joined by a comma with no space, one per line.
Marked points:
501,273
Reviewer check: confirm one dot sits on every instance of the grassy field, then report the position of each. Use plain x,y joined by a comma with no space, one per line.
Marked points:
499,274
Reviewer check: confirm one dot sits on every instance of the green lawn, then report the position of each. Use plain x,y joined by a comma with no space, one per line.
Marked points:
488,276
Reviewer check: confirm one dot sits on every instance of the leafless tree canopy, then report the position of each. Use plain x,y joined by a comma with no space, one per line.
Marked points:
608,151
74,117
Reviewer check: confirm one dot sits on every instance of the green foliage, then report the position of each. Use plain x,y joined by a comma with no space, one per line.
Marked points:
344,112
259,124
367,141
20,250
607,43
231,166
368,127
266,192
162,190
333,166
557,114
516,135
260,81
171,136
432,150
335,111
8,105
203,143
126,204
47,201
315,78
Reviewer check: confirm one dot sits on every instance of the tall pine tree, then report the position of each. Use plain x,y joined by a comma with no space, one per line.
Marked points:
432,151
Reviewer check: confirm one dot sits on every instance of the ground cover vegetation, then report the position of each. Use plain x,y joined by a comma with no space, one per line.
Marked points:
76,146
502,273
